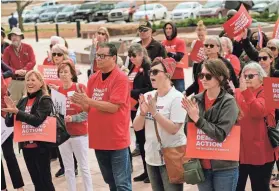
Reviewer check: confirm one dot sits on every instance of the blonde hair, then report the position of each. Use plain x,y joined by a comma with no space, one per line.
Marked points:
61,48
200,26
269,53
39,76
106,31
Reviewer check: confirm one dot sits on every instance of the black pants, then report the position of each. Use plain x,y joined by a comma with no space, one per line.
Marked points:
140,136
13,168
259,176
38,164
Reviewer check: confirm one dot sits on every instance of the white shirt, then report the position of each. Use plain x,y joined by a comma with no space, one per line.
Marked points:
170,107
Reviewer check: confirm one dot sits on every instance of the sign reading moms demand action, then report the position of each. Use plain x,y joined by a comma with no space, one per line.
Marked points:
240,21
271,92
200,146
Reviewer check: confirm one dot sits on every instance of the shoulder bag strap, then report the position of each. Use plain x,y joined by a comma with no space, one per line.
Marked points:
155,125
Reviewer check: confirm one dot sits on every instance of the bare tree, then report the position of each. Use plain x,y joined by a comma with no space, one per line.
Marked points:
20,6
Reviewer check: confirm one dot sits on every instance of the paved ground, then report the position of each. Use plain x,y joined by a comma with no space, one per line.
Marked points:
40,49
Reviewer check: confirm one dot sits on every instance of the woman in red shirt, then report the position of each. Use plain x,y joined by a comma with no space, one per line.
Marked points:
227,46
215,112
256,153
76,123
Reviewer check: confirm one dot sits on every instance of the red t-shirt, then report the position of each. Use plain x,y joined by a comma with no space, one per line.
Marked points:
208,104
175,45
132,76
109,131
48,61
74,128
235,63
27,110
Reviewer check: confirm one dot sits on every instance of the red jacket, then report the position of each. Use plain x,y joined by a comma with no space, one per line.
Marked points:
255,147
24,60
4,92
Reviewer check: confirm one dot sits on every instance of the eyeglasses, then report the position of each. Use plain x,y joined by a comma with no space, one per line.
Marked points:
205,75
143,30
209,45
250,76
102,56
101,33
272,48
264,58
57,54
155,72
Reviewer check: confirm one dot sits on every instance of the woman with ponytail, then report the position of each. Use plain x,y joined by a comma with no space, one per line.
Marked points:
256,153
215,112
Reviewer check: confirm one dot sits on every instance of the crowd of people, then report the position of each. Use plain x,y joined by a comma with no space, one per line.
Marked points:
227,87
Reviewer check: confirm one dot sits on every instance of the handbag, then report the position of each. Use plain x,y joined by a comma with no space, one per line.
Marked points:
272,132
174,158
61,132
193,172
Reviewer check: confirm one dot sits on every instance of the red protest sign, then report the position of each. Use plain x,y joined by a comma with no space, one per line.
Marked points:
200,146
276,30
240,21
271,92
49,73
45,132
197,53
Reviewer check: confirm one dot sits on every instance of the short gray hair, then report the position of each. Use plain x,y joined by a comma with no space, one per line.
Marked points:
275,42
255,66
138,48
228,43
218,42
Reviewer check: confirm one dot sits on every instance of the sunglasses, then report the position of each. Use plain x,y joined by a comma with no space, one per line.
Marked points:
102,56
155,72
143,30
250,76
209,45
132,55
205,75
57,54
272,48
264,58
101,33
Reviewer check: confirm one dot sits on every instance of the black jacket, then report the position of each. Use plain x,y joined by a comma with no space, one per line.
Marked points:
194,88
38,114
142,83
253,53
155,49
3,46
6,70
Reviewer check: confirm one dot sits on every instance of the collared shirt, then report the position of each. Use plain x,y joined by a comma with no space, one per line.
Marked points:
22,60
155,49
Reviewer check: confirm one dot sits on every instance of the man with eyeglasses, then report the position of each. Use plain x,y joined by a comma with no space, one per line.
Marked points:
107,102
20,57
153,47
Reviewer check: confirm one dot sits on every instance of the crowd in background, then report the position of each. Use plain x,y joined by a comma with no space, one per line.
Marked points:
227,87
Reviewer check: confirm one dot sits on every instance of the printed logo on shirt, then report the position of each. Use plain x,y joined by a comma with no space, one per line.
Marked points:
28,109
170,48
99,93
132,76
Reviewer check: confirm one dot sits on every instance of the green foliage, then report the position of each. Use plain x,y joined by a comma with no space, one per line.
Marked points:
192,22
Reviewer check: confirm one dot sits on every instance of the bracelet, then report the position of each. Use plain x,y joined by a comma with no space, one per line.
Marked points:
155,114
142,115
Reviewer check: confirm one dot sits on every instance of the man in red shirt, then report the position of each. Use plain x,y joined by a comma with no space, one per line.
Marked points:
20,57
176,49
108,105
